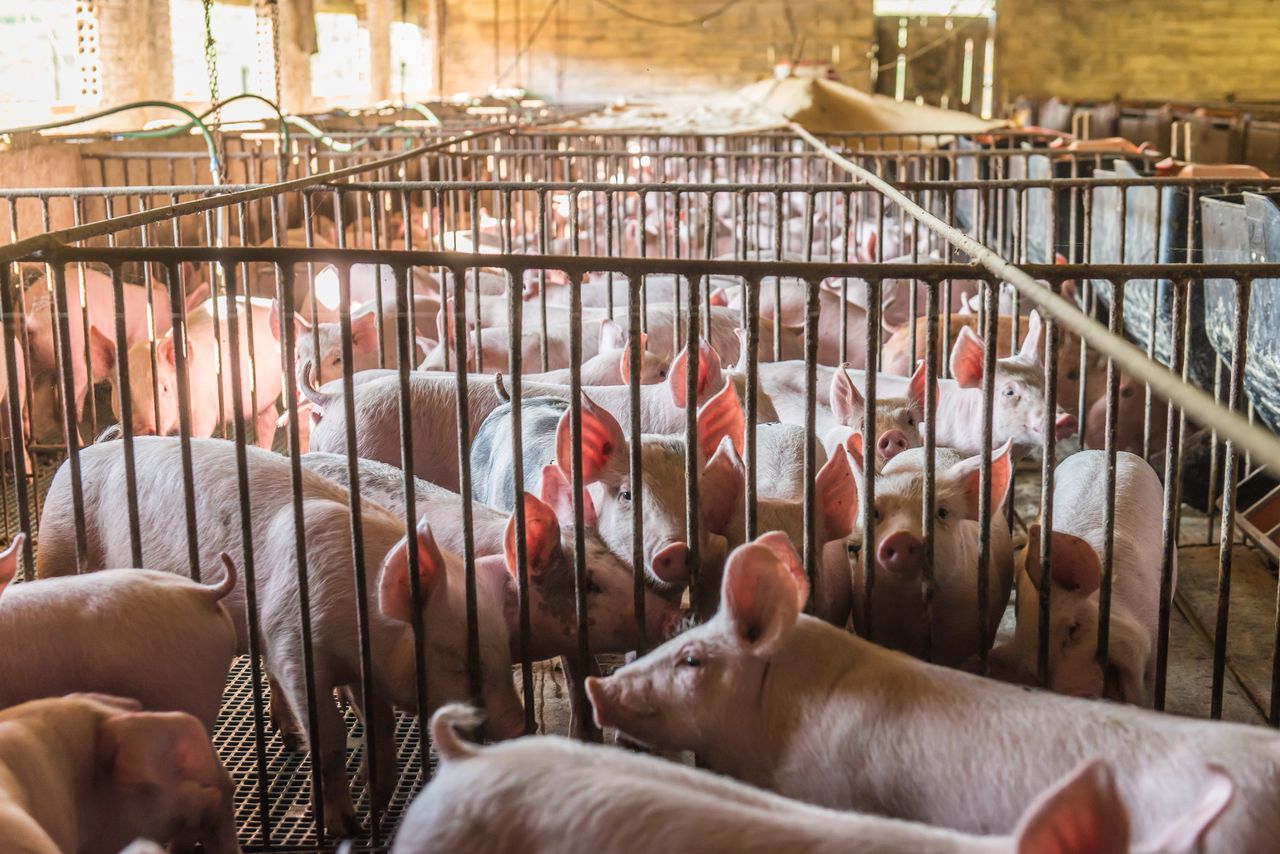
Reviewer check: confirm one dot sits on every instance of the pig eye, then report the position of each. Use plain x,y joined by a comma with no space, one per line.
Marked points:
1126,392
690,660
1073,632
1009,391
875,513
625,495
943,513
1073,374
662,374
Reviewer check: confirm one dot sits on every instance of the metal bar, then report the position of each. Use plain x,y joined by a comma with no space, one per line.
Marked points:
1169,533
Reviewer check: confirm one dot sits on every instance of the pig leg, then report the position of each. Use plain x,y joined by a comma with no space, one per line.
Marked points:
282,718
265,426
384,726
581,719
339,811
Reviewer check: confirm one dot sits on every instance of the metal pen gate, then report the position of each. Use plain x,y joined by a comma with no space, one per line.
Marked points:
598,180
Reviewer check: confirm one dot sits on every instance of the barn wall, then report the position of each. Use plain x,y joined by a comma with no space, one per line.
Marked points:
1140,49
586,51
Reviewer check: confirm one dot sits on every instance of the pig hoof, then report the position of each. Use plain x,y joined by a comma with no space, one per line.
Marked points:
292,742
342,826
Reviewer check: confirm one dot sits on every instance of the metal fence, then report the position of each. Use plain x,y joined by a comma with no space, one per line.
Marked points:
491,232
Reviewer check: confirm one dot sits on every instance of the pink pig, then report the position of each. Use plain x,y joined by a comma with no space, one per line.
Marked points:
823,716
90,772
627,803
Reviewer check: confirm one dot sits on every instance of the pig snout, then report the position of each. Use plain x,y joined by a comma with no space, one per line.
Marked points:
1065,425
670,563
612,705
890,444
900,552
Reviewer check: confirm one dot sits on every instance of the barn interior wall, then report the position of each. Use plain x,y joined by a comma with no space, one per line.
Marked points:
1140,49
588,51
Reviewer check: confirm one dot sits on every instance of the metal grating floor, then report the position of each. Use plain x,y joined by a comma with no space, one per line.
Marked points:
289,774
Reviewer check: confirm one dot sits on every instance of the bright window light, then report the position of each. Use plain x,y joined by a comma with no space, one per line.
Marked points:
936,8
340,71
410,60
39,72
236,44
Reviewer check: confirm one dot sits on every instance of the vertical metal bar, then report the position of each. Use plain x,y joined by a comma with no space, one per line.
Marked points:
868,496
1048,471
464,482
515,322
929,428
636,462
126,419
985,498
11,330
1169,533
692,504
69,408
575,428
248,567
1116,324
812,308
750,463
1230,474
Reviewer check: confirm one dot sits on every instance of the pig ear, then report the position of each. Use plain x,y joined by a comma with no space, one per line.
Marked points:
394,594
541,536
1073,563
719,297
723,477
165,350
1187,831
708,373
1083,815
364,332
1031,344
760,596
721,417
785,551
611,335
847,403
965,307
102,350
966,359
837,495
603,442
967,473
624,363
853,445
10,558
916,388
156,749
557,495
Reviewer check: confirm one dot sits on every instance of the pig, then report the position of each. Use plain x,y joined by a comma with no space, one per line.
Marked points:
90,772
791,318
1020,400
318,349
1130,415
327,529
208,366
628,803
723,481
20,390
611,591
140,320
174,658
898,615
823,716
611,365
899,420
433,398
1079,499
606,464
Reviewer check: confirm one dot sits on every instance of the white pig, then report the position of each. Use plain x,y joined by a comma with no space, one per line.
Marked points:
899,420
175,657
1079,500
823,716
327,529
89,773
208,367
898,615
617,801
326,358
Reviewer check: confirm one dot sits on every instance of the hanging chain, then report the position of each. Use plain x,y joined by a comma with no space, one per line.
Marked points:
211,68
276,68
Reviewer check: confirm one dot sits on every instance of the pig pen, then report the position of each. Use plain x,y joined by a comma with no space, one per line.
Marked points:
694,220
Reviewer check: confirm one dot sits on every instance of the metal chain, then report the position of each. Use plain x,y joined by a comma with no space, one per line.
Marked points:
276,68
211,67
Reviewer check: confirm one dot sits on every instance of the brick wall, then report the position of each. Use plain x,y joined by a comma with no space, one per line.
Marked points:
586,51
1140,49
